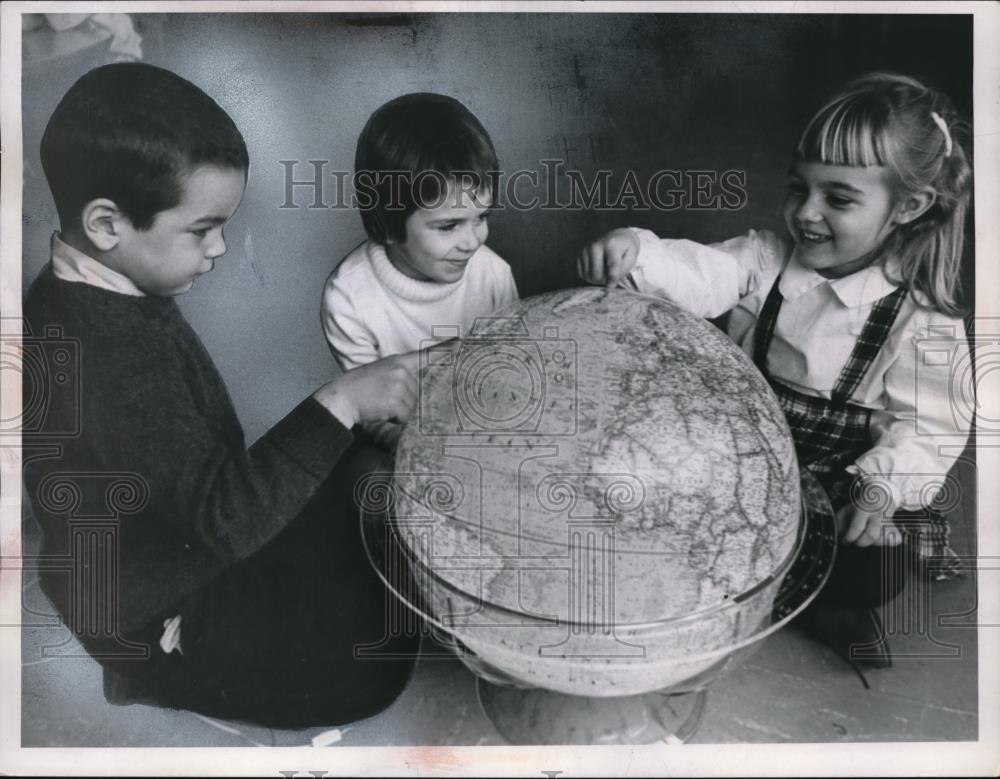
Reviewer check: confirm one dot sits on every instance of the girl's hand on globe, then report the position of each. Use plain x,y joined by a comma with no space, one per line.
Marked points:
609,259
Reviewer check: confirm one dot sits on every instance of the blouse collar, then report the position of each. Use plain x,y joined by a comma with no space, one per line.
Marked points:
856,289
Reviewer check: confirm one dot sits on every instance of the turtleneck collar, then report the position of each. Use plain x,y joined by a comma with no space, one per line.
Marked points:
403,285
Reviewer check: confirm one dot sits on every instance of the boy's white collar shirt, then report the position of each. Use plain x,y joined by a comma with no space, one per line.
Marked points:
72,265
917,434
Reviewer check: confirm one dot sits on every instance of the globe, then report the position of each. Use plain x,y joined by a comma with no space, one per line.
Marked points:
599,494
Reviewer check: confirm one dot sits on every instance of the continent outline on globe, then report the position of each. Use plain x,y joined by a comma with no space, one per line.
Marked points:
624,498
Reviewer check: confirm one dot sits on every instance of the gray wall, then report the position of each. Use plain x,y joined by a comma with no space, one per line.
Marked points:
617,92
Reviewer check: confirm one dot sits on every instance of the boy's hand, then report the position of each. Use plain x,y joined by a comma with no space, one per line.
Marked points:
386,434
384,390
609,259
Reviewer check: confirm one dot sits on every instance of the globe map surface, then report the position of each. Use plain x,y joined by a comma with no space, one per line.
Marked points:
599,494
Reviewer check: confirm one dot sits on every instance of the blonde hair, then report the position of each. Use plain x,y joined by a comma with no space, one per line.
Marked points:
914,132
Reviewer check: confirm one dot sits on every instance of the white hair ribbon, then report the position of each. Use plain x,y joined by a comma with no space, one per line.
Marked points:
944,131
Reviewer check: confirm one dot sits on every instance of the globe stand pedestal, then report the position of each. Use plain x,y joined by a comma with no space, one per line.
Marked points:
537,716
542,717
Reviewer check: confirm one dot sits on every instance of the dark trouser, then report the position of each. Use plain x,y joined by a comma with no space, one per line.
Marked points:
865,577
273,640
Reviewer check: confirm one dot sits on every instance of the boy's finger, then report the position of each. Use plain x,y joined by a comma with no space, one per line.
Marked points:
403,406
408,399
410,361
409,396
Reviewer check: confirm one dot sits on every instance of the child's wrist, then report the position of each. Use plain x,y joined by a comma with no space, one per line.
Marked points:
338,405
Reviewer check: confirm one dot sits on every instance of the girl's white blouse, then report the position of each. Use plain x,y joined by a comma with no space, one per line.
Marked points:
919,387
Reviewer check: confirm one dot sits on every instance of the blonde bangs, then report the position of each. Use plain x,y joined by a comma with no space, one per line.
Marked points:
844,132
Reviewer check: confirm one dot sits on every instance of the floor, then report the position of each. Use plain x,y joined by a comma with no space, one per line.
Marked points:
790,690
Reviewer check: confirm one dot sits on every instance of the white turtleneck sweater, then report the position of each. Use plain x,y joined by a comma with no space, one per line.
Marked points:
371,310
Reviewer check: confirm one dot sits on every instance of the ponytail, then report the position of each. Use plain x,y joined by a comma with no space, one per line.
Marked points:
914,131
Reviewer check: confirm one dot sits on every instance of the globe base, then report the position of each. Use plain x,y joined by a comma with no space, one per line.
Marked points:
541,717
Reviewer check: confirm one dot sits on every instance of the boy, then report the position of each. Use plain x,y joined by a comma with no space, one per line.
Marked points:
238,574
423,165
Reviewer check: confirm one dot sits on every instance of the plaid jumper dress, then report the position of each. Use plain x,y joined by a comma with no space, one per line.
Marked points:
831,434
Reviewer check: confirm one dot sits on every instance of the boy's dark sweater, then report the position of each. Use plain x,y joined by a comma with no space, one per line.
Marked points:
153,410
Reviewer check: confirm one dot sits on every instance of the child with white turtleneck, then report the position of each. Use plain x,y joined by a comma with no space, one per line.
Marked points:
423,173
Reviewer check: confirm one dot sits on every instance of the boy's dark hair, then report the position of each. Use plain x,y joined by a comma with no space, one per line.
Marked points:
408,150
129,132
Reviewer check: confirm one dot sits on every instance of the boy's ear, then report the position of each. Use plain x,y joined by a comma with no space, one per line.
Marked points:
101,222
914,205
